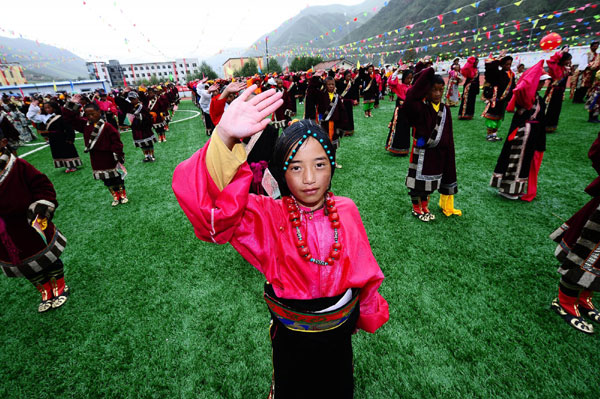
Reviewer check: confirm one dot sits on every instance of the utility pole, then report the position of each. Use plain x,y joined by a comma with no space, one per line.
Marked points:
267,50
531,34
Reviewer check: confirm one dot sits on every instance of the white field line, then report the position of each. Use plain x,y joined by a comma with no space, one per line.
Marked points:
196,113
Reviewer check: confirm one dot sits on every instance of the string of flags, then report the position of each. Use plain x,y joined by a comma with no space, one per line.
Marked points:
340,28
540,21
407,27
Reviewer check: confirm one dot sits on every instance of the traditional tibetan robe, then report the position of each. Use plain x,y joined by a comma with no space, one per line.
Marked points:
159,108
398,140
452,92
432,159
466,109
497,90
23,191
141,127
527,135
283,115
61,138
314,93
578,238
370,88
348,91
555,92
102,141
333,116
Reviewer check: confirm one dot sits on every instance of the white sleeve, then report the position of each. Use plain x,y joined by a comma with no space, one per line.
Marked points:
33,114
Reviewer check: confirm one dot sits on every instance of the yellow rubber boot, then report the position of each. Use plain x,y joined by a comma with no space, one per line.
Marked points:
447,205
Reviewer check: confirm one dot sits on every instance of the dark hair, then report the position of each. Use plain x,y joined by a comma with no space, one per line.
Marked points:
594,42
521,65
92,105
55,107
437,80
406,74
287,145
565,57
505,59
329,78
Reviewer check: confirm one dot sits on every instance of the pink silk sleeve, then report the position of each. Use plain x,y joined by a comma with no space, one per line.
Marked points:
258,228
218,216
366,273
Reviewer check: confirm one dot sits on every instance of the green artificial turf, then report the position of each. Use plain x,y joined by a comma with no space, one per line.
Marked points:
156,313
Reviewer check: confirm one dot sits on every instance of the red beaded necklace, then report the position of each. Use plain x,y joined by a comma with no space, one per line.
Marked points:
301,245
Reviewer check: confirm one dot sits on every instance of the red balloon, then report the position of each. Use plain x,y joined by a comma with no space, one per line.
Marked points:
550,41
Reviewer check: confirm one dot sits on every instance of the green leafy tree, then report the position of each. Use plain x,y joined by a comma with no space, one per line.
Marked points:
207,71
304,63
249,68
409,55
274,66
154,80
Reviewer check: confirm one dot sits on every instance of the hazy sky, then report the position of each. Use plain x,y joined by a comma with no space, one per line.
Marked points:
103,29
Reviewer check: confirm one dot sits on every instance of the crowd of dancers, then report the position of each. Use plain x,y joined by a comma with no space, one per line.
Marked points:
258,152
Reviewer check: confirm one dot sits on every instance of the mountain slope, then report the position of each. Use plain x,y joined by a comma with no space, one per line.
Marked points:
400,13
312,22
42,61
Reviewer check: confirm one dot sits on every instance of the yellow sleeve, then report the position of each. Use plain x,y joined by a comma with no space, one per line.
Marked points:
223,164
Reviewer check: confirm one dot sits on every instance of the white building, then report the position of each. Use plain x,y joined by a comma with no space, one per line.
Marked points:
80,86
98,70
178,70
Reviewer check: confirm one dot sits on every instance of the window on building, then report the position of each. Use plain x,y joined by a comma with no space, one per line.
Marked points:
180,65
135,68
152,66
194,65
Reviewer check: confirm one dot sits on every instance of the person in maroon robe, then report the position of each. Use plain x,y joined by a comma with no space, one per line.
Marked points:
30,244
578,251
347,88
332,115
103,143
141,127
59,133
283,115
158,107
497,92
432,159
314,91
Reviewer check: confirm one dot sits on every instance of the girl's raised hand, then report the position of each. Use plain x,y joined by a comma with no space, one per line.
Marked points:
245,117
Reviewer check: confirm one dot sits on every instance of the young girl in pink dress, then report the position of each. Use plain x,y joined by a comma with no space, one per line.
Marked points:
322,279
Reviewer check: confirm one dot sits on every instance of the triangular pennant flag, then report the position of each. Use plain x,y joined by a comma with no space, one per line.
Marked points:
440,18
518,3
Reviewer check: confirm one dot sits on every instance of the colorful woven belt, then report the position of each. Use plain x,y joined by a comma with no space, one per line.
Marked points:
309,321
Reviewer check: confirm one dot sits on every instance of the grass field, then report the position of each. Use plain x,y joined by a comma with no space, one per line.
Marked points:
155,313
